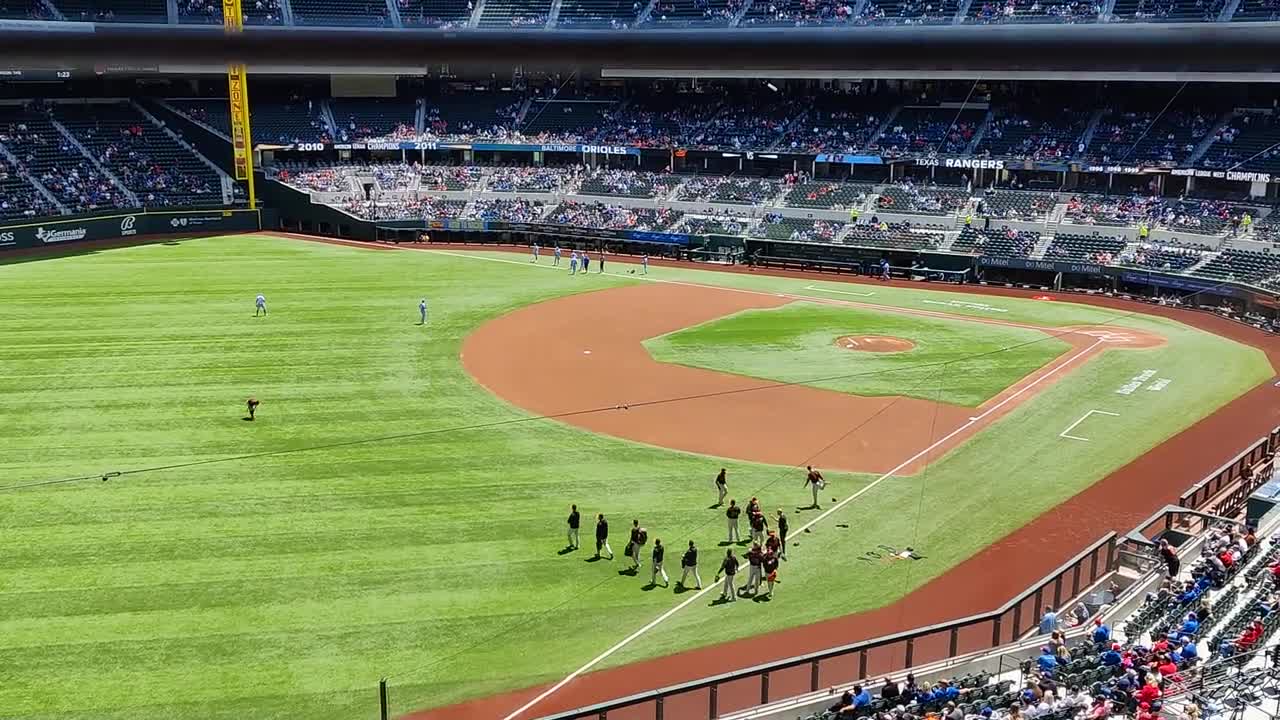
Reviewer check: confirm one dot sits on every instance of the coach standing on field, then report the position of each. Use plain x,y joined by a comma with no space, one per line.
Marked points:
689,564
782,533
602,536
574,521
732,514
728,568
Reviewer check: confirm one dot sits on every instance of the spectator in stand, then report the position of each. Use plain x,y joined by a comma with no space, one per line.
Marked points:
1101,633
1049,622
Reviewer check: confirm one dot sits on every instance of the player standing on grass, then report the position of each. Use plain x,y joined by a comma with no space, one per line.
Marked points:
722,487
260,304
770,565
586,262
252,404
782,534
573,263
816,483
602,536
689,564
555,256
535,252
422,311
574,520
728,568
658,553
601,260
732,514
755,558
644,264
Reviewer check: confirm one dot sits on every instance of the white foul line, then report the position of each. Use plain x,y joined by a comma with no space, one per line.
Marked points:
661,618
840,292
1073,425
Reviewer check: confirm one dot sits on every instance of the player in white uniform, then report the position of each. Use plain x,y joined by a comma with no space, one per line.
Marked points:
556,257
422,310
573,263
535,252
260,304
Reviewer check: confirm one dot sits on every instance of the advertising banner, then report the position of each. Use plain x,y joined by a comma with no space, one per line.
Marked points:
61,231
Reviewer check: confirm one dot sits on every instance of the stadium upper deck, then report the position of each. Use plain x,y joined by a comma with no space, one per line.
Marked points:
619,14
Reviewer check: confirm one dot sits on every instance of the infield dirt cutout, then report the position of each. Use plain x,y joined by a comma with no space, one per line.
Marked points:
628,394
874,343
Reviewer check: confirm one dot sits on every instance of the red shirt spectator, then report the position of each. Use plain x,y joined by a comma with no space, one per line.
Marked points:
1148,693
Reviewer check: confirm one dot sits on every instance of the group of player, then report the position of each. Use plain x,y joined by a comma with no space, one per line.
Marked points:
582,260
768,545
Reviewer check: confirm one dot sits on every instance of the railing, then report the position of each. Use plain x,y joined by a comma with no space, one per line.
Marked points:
1233,470
713,696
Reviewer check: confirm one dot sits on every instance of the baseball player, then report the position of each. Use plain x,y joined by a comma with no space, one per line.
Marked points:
722,487
252,404
658,552
422,311
816,483
732,514
535,252
260,304
689,564
573,263
602,536
644,264
782,534
728,568
770,566
601,261
638,537
758,524
586,262
555,256
574,520
755,559
753,507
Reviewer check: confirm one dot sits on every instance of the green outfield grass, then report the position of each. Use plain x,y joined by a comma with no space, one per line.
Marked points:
285,585
796,343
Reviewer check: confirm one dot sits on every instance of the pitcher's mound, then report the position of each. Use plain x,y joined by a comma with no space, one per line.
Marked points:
874,343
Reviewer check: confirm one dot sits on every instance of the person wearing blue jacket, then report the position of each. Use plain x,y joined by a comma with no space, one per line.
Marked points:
1101,633
1191,625
1047,661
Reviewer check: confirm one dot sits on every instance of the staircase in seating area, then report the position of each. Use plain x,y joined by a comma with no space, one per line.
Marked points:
1037,252
1208,258
888,120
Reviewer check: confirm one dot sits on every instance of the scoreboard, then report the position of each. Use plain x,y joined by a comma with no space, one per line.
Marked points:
39,74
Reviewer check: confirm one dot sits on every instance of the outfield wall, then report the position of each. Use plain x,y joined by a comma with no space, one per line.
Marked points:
69,230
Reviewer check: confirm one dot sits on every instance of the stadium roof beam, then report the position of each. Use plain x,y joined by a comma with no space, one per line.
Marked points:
1214,51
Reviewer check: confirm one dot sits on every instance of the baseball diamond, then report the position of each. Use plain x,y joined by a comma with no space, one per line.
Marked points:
396,507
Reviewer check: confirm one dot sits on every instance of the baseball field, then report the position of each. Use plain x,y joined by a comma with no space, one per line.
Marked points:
397,508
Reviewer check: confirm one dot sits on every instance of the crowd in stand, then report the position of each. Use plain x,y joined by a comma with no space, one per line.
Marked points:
515,210
929,136
1165,256
418,208
613,217
154,182
257,11
397,176
325,179
533,179
81,188
736,190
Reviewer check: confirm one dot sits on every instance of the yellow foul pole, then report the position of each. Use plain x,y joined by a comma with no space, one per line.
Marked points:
238,87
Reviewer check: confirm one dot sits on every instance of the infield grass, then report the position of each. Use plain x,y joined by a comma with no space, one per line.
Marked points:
406,523
797,343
